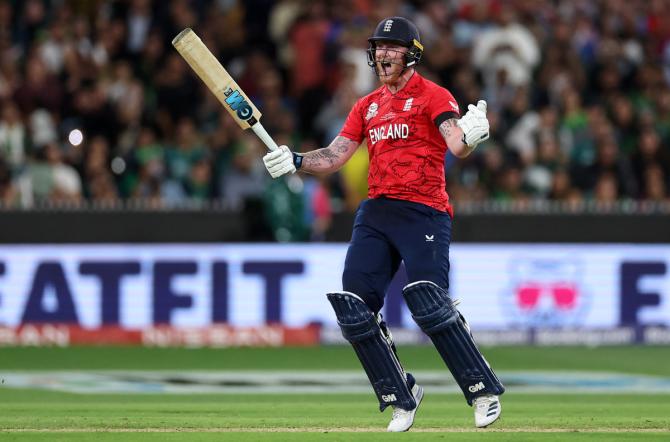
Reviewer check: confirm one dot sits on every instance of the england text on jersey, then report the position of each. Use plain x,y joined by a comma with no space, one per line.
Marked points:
406,149
389,132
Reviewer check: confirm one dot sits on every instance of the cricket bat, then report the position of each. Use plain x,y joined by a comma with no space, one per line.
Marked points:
222,85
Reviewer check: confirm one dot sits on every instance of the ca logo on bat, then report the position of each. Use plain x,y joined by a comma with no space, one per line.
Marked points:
236,102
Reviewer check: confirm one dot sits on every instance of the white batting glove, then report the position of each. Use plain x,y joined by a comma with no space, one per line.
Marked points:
474,124
279,162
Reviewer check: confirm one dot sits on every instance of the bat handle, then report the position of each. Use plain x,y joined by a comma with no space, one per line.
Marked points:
264,136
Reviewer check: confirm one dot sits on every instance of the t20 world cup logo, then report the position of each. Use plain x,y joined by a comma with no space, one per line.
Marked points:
546,293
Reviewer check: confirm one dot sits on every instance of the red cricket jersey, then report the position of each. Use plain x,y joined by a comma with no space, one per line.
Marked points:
405,147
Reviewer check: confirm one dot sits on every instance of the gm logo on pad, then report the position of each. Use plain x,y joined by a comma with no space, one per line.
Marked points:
388,397
477,387
236,102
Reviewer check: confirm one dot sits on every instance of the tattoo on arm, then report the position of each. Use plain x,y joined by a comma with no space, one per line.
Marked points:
329,158
447,127
451,134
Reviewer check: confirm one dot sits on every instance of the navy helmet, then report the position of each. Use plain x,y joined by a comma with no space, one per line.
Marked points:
397,30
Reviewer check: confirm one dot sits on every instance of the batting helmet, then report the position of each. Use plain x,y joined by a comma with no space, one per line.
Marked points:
400,31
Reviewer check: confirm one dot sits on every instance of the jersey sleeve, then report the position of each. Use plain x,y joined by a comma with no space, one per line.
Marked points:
443,106
354,126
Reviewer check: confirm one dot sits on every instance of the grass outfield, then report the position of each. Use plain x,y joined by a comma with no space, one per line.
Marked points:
651,360
54,416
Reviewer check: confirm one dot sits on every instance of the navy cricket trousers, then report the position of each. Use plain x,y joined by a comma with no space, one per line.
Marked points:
388,231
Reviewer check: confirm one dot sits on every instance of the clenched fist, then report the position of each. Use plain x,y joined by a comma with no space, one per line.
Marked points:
474,124
279,162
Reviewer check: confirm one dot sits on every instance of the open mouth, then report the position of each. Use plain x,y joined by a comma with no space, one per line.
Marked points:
385,64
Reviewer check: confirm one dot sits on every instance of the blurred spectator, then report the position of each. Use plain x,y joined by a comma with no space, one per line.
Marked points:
138,24
39,88
318,205
95,112
354,71
330,120
99,182
506,54
101,188
608,161
308,71
606,189
8,191
509,185
548,159
623,119
578,92
33,19
42,128
175,91
198,184
654,184
247,178
13,137
574,132
650,152
529,128
53,179
125,93
278,110
189,149
52,50
561,185
284,210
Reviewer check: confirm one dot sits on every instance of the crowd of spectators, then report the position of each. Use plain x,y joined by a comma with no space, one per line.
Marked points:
96,106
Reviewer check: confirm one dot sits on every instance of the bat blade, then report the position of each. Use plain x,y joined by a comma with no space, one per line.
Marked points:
217,79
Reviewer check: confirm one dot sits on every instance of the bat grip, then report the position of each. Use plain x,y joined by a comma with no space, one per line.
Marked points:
264,136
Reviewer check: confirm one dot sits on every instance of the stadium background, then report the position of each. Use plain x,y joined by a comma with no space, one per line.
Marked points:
135,212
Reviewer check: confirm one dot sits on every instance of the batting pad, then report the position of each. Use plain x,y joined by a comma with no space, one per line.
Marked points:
434,311
359,327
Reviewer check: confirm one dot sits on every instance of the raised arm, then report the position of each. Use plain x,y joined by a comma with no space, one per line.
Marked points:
320,161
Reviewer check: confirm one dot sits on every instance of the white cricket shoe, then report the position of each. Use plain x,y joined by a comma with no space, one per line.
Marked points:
402,420
487,410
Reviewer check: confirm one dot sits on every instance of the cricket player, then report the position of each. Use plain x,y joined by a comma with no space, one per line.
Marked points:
408,123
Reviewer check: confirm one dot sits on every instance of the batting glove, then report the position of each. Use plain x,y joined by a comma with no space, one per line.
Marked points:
279,162
474,124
